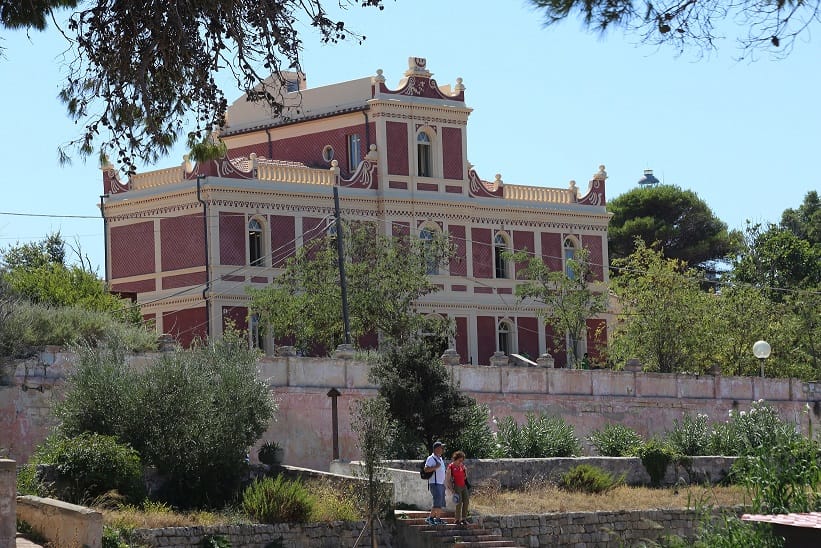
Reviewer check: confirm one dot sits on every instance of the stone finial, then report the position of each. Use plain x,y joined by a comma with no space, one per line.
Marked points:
379,78
459,85
372,154
254,163
601,174
546,360
498,180
286,351
335,166
634,365
499,359
417,66
451,357
344,352
187,165
573,188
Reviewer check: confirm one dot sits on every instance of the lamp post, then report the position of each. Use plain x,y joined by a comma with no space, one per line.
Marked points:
761,350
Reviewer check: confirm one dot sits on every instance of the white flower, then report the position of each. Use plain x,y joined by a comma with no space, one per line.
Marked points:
742,414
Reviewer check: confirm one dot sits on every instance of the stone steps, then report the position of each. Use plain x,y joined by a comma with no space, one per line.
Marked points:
421,534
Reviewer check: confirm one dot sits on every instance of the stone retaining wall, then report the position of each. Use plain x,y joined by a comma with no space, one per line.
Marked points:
64,525
291,535
514,473
8,503
594,529
587,400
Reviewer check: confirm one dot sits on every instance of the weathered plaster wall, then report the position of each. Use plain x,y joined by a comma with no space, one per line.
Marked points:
64,525
648,402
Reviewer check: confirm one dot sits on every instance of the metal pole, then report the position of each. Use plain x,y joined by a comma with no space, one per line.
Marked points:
207,289
343,282
762,366
333,393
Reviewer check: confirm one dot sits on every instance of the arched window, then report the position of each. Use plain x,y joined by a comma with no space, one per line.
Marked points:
505,338
569,254
426,236
424,155
500,261
255,247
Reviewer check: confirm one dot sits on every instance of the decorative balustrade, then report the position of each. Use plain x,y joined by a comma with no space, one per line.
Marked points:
294,174
160,177
539,194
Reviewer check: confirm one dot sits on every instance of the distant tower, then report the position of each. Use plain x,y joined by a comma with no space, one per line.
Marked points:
649,179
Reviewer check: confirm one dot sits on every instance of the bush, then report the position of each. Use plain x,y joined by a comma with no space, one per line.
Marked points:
276,500
476,439
691,436
28,327
90,465
615,440
191,413
745,431
783,477
589,479
269,453
540,437
655,455
335,502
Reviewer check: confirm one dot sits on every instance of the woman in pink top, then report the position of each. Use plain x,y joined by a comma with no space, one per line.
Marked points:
456,480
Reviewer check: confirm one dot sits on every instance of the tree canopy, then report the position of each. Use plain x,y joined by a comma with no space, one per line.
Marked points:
682,223
386,276
568,295
771,25
139,74
422,397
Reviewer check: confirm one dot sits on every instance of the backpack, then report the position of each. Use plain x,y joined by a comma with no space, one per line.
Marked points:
422,474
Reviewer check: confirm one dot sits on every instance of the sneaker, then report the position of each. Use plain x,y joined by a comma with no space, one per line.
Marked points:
439,521
430,521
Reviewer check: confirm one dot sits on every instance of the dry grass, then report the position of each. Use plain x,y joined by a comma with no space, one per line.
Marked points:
157,516
543,498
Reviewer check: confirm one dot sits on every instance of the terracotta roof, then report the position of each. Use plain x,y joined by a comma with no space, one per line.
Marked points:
811,519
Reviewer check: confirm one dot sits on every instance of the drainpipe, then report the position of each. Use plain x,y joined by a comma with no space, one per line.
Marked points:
270,144
207,289
105,236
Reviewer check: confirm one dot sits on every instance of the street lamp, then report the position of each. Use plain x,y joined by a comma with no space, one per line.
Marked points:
761,350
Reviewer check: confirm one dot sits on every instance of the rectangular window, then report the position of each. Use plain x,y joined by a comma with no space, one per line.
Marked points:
354,153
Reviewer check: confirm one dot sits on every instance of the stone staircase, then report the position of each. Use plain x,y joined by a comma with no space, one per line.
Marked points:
413,532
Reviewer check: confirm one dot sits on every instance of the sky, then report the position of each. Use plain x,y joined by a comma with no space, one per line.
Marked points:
550,104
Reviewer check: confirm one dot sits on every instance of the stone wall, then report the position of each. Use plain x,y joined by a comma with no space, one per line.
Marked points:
514,473
589,529
64,525
647,402
292,535
8,503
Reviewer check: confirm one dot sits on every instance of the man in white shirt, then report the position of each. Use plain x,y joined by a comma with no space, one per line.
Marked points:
436,483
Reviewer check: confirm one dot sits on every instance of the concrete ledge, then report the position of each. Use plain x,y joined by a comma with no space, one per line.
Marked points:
64,525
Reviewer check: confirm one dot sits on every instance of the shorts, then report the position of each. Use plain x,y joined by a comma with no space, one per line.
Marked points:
437,490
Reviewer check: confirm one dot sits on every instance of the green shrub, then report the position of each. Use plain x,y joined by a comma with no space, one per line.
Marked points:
90,465
589,479
476,438
112,538
539,437
28,327
276,500
215,541
269,453
783,477
615,440
656,456
745,431
191,413
691,436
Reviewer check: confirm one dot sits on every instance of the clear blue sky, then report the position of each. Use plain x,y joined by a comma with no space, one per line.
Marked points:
550,105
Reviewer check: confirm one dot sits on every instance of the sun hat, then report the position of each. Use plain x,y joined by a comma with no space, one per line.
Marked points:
438,443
